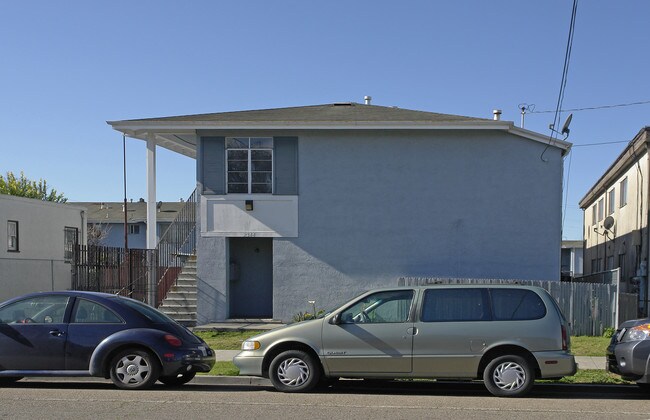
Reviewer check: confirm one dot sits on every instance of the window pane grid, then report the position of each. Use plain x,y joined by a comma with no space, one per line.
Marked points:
12,235
249,165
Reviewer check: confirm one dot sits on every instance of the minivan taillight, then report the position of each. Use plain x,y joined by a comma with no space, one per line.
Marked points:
565,342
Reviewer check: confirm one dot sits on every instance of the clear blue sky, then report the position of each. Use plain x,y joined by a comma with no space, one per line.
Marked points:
67,67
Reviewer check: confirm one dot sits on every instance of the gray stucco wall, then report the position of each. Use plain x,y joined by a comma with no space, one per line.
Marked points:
39,265
211,273
375,206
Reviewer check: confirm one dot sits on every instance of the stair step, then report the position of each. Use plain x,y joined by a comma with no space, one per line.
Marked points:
183,315
187,281
182,294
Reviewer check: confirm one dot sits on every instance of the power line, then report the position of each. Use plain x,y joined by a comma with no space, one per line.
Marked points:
563,82
590,108
601,143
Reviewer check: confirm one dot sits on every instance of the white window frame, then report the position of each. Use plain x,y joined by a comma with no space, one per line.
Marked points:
13,236
249,168
611,201
622,193
594,215
601,209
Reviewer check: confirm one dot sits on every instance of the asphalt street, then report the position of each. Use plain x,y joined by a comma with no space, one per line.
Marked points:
54,399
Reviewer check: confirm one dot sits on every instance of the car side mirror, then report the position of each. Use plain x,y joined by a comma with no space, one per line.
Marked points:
336,319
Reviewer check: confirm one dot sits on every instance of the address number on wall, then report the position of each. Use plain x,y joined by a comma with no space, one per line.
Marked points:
249,235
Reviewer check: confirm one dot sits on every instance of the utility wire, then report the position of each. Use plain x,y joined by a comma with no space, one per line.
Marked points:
600,144
565,73
592,107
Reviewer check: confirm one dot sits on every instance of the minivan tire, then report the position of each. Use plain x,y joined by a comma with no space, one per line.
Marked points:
294,371
509,376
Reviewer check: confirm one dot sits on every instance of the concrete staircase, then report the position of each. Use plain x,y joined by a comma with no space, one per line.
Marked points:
180,302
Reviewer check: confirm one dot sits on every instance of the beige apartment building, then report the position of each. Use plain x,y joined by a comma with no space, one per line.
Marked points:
616,219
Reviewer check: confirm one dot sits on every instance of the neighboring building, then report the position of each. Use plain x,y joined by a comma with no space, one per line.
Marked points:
106,222
616,218
571,259
319,203
38,240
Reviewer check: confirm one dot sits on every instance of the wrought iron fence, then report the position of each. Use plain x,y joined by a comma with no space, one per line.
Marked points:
175,246
113,270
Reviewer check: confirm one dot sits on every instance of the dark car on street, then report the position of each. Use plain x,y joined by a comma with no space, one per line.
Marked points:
628,353
74,333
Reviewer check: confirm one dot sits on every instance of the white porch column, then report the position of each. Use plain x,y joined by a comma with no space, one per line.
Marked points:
151,218
151,191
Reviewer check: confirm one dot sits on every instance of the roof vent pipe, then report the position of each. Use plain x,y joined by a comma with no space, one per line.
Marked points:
367,99
497,114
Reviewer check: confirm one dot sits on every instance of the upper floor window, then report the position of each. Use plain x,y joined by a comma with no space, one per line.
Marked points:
601,209
12,236
611,201
249,163
594,216
71,239
134,229
623,192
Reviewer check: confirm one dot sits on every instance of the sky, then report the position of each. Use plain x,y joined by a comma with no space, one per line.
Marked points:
68,67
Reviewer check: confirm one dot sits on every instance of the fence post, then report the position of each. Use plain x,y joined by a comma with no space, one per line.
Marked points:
152,278
617,279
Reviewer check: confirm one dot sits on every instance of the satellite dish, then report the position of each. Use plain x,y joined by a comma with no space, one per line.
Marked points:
565,127
608,223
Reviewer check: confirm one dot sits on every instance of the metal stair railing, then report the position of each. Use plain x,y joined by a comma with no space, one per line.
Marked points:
175,246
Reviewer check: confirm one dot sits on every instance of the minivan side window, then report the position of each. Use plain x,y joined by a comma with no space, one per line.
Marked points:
447,305
382,307
516,305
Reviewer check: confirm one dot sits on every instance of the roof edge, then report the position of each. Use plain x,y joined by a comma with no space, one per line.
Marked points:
622,162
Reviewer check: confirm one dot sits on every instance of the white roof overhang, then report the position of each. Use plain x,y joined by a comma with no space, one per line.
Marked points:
180,137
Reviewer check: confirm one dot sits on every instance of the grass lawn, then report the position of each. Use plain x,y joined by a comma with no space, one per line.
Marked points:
580,346
225,340
589,346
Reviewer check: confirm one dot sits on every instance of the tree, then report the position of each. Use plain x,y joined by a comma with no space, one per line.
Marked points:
24,187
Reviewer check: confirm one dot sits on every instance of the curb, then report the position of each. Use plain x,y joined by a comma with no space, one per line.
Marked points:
198,379
230,380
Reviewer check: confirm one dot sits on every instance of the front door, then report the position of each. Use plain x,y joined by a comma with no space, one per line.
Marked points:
251,278
373,336
33,334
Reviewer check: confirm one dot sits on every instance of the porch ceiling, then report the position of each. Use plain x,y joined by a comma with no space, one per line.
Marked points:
181,141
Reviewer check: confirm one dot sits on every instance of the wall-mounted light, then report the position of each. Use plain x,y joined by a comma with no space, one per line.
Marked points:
249,205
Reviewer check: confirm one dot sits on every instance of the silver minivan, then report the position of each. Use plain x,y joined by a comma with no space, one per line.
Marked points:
506,335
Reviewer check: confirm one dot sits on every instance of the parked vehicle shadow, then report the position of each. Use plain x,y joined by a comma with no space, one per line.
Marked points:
368,387
476,389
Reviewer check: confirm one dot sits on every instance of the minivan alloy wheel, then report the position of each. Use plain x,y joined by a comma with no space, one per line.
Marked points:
294,371
509,376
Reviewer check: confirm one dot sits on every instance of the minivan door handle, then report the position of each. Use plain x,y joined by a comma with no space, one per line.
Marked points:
412,331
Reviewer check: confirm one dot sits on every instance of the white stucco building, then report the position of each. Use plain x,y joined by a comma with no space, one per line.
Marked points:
38,239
